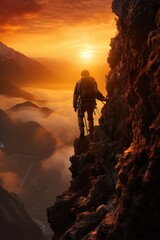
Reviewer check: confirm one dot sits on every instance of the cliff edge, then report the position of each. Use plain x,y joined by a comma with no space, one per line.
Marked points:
114,192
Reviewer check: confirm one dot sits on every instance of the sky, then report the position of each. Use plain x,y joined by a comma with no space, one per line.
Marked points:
73,30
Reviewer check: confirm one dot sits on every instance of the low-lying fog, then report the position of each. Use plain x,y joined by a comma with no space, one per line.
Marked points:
38,182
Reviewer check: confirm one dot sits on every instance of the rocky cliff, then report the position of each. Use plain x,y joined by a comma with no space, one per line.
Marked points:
15,223
114,192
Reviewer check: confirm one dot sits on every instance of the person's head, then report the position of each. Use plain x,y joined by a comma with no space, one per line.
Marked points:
85,73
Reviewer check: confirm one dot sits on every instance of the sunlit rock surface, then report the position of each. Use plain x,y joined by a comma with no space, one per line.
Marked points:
114,193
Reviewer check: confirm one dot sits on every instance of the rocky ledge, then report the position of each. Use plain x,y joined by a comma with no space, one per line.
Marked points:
91,195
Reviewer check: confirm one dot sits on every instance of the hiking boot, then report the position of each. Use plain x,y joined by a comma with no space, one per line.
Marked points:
82,134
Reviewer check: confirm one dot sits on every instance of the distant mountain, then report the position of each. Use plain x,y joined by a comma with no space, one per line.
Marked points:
20,69
26,138
29,105
10,90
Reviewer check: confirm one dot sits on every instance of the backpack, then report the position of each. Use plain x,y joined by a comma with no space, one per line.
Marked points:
87,89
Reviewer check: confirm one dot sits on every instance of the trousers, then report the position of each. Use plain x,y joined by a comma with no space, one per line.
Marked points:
89,108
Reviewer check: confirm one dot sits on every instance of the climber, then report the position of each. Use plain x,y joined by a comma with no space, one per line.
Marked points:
84,100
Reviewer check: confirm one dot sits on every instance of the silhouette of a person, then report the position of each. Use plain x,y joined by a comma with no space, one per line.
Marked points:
84,100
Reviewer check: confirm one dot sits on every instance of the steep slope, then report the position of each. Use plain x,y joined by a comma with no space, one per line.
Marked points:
19,69
114,193
16,224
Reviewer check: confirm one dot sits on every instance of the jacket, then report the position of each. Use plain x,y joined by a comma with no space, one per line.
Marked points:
77,96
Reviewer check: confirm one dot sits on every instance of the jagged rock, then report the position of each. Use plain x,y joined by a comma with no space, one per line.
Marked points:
85,222
88,189
62,212
81,145
102,188
81,171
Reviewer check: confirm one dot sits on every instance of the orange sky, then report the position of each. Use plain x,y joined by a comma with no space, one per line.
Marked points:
75,30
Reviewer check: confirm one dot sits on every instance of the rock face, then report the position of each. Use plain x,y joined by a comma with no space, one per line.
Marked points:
82,208
115,193
15,223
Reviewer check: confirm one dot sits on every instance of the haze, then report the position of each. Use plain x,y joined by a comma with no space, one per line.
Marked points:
78,32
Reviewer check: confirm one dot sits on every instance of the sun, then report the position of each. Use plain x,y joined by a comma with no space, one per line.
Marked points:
86,54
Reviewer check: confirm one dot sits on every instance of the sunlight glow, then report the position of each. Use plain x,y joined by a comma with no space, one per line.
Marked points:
86,54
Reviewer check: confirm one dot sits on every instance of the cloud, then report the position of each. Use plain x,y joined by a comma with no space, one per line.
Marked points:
62,123
55,12
59,29
8,178
10,9
77,11
10,181
58,161
48,178
53,16
6,102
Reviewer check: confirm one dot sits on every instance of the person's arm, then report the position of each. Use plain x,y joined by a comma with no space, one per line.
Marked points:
75,97
98,94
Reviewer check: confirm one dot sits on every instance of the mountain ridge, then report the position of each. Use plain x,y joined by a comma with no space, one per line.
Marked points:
46,112
10,90
20,69
20,137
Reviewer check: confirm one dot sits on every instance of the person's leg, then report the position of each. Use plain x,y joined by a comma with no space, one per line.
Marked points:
80,121
90,111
